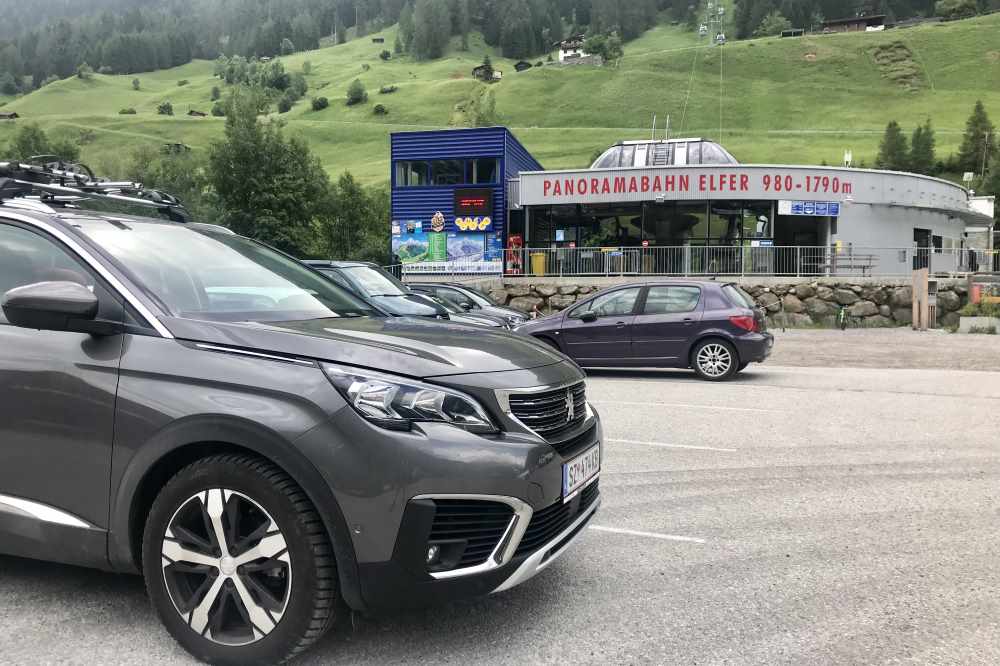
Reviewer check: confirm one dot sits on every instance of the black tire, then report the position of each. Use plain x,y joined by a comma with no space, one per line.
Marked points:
715,360
302,577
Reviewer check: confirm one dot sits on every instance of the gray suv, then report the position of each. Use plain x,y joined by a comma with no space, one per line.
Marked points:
188,404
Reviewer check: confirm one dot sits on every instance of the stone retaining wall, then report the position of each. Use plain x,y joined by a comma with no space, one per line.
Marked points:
807,303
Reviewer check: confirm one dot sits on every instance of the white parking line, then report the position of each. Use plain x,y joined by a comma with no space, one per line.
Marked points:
685,406
651,535
664,445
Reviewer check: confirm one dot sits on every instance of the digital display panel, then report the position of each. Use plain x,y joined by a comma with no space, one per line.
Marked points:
474,202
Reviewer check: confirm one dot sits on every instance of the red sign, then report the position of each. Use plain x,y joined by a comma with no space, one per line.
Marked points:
645,243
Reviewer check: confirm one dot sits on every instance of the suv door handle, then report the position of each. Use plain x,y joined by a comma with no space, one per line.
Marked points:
620,324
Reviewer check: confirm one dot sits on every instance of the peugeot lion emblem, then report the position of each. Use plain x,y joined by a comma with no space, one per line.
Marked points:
570,407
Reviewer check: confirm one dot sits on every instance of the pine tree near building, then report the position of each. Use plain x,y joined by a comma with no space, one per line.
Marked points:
893,154
979,141
922,146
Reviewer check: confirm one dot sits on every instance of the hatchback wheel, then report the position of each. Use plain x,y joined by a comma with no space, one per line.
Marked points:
237,562
715,360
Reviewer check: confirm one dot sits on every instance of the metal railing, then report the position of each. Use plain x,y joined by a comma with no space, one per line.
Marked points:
783,261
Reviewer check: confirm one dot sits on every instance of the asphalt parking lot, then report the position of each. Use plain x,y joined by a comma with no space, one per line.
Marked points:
808,512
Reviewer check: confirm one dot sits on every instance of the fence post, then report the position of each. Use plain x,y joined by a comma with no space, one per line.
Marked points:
798,261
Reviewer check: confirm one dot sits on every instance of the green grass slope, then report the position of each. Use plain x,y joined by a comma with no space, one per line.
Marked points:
772,100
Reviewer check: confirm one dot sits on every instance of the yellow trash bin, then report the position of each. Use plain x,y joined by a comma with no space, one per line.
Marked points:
538,263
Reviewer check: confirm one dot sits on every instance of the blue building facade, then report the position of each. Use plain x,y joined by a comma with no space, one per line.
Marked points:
449,201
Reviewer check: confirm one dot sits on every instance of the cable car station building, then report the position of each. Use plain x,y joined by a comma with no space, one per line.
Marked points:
677,207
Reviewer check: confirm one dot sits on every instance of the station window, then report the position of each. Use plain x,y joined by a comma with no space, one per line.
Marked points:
411,174
448,172
485,171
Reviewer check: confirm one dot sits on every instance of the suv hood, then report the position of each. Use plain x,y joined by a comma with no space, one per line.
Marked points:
408,346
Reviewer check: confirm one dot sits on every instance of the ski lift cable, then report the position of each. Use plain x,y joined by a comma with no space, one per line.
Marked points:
687,97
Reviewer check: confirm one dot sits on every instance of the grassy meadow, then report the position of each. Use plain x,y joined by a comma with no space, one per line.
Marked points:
801,100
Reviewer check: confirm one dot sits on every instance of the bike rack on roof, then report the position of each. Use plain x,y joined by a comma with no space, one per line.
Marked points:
55,182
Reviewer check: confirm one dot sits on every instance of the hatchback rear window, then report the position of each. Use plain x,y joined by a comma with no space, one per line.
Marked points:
738,297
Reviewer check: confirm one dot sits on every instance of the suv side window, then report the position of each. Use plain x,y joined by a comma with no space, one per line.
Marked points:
671,300
456,296
27,258
613,304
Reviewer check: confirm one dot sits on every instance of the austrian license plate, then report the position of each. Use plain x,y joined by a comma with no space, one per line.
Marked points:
579,471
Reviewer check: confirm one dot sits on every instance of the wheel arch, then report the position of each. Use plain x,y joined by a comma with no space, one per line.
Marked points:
712,335
159,460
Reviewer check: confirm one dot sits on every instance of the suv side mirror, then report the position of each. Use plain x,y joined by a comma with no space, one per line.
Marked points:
52,306
588,317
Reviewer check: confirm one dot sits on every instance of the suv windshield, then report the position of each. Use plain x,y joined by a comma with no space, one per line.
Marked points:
374,281
200,274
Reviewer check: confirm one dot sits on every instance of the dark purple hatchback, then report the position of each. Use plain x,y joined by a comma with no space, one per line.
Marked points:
712,327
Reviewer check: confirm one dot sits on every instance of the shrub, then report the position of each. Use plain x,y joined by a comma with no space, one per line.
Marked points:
387,90
356,93
127,112
307,67
50,79
380,110
135,84
320,103
385,55
216,93
84,71
219,110
183,82
285,104
980,310
104,69
165,109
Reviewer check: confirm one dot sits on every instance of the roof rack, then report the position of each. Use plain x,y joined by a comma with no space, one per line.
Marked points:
55,182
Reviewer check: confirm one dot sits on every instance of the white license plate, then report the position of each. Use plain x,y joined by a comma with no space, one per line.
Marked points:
579,471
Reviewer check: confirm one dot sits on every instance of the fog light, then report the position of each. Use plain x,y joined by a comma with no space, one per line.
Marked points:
433,554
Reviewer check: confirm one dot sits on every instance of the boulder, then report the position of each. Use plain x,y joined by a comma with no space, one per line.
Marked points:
584,289
901,297
792,320
818,308
885,311
878,321
792,304
781,289
569,290
949,320
856,289
804,291
546,290
518,290
961,289
845,296
863,309
948,301
875,294
903,315
499,296
770,301
755,290
561,302
824,292
526,303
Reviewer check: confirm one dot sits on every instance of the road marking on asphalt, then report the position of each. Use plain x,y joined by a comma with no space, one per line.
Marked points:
685,406
650,535
664,445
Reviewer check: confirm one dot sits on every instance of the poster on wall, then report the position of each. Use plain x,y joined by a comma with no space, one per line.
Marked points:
423,249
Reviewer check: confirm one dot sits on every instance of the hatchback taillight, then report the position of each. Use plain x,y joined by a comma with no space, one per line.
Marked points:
748,324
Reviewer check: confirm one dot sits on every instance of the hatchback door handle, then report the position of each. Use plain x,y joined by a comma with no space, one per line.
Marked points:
621,324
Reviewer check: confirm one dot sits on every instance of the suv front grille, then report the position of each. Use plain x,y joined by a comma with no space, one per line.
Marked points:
470,529
550,521
548,413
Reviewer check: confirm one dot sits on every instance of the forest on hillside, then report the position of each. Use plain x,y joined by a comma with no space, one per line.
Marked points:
43,41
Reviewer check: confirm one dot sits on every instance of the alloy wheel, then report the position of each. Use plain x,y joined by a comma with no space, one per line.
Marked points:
226,567
714,360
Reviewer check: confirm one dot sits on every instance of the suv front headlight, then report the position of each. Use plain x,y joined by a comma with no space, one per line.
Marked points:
397,403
